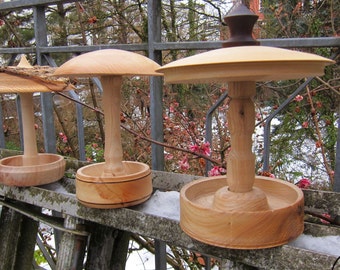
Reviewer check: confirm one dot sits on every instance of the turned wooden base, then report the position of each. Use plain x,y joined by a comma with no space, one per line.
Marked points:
98,190
212,214
45,169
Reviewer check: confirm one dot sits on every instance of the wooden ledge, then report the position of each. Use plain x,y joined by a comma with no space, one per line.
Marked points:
59,197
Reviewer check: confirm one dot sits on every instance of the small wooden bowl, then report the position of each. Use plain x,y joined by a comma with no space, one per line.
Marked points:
100,191
48,168
241,228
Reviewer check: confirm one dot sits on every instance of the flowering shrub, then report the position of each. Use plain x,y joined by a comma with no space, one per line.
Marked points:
304,183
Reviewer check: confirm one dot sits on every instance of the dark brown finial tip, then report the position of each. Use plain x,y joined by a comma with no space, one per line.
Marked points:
241,22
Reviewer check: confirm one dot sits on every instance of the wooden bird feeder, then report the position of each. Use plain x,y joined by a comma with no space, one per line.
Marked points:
114,183
31,168
241,210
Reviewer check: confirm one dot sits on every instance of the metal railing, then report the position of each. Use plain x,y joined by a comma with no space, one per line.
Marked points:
154,47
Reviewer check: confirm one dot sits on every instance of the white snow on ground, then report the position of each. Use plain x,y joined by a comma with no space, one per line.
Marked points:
326,244
164,204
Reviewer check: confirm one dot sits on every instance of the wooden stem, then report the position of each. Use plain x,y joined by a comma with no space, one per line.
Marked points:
241,122
30,156
113,152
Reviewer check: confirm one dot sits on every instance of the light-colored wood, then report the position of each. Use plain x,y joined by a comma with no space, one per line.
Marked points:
31,168
242,229
108,62
241,124
48,168
30,144
231,211
114,183
103,191
113,152
244,63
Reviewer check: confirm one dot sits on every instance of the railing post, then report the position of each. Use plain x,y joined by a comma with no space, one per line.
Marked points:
156,93
40,31
336,186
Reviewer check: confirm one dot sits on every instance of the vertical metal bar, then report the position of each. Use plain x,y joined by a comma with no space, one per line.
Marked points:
160,255
80,126
336,186
156,92
208,125
40,30
2,134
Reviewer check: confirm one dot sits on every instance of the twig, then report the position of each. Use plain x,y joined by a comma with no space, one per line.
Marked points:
318,132
146,138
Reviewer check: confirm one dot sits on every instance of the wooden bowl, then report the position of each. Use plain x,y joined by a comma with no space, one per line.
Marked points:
96,190
48,168
202,218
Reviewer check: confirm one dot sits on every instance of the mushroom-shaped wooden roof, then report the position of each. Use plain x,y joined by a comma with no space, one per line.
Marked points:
244,63
108,62
26,78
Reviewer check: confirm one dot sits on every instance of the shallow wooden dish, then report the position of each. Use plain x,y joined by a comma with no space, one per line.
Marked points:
45,169
96,190
242,229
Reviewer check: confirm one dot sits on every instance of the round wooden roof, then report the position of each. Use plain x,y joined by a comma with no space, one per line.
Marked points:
108,62
244,63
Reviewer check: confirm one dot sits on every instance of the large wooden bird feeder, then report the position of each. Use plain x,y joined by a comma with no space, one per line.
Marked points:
113,183
241,210
31,168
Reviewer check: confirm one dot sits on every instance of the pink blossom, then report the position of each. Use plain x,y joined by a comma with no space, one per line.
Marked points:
305,124
63,137
298,98
184,164
194,148
95,145
204,148
216,170
304,183
258,117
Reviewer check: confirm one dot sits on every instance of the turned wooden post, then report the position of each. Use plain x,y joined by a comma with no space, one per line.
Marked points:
113,152
241,123
30,156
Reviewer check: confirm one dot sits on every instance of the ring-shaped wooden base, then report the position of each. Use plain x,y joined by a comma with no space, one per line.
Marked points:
48,168
97,190
242,228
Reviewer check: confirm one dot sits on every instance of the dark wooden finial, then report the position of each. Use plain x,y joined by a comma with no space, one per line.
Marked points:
241,22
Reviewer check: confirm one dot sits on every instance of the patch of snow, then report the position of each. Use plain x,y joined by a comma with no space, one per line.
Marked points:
162,203
326,244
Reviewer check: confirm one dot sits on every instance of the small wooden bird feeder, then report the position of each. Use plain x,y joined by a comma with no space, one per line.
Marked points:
31,168
241,210
114,183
